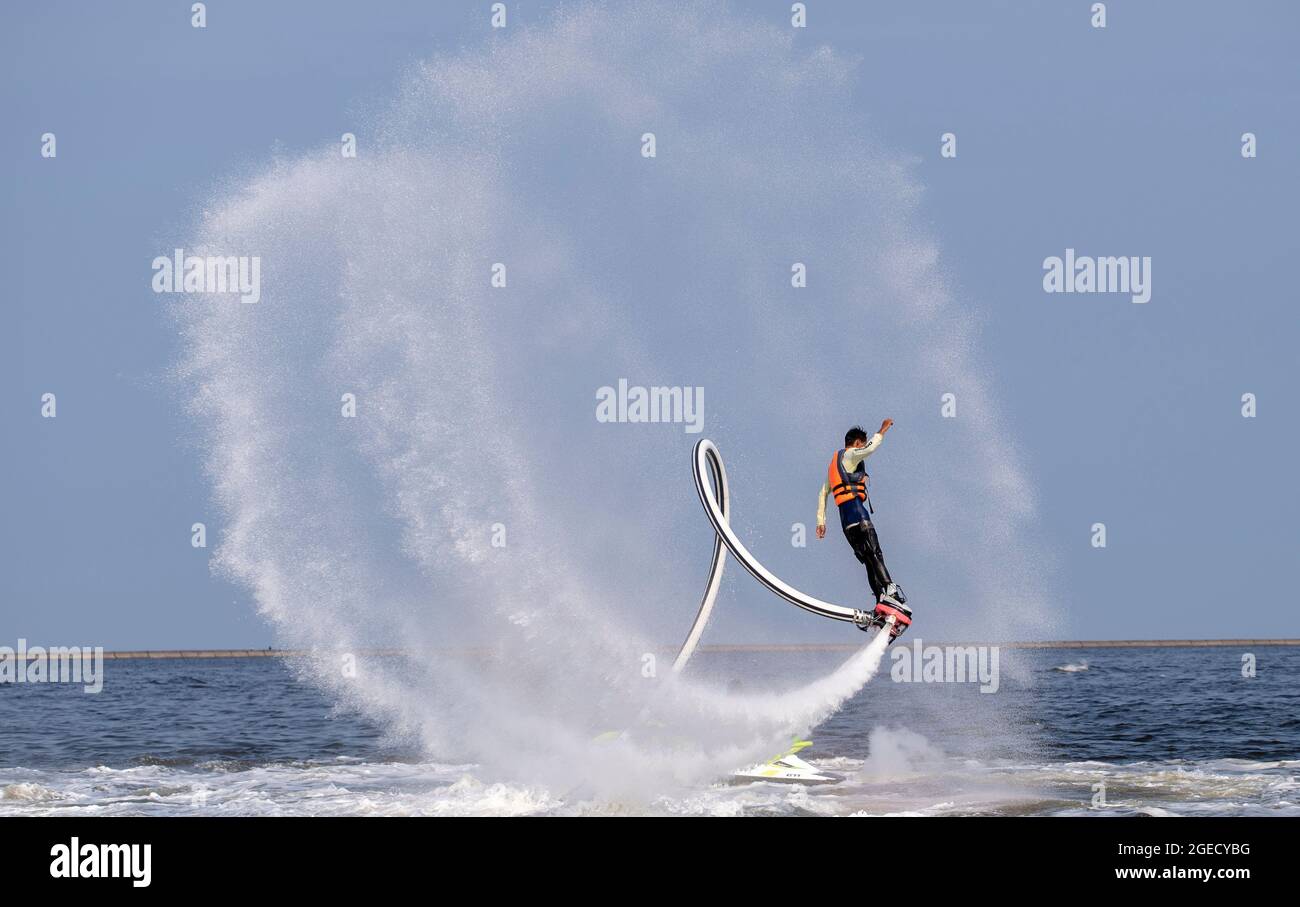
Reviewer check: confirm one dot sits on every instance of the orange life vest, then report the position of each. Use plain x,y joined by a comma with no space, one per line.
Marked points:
845,485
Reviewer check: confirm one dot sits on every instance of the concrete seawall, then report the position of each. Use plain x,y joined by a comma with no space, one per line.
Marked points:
147,654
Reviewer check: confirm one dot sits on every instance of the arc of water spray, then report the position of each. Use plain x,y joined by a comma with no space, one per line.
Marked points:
706,463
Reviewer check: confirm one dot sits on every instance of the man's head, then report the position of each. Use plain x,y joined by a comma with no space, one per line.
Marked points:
855,437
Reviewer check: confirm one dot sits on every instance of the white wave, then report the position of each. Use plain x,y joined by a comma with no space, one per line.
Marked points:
29,792
902,774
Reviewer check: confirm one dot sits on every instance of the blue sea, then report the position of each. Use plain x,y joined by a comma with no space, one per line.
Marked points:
1098,732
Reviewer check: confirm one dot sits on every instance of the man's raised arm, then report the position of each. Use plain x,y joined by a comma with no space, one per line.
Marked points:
855,455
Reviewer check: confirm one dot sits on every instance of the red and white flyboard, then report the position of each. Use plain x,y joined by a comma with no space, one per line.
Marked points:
890,615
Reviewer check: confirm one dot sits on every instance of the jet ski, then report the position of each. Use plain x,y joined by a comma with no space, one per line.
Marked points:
787,768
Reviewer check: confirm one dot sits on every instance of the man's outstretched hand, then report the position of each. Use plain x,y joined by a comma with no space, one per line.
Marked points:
886,425
821,531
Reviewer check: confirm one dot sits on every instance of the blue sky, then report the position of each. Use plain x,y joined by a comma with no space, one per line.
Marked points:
1115,141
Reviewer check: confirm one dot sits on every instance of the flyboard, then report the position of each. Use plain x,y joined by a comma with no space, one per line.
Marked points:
715,497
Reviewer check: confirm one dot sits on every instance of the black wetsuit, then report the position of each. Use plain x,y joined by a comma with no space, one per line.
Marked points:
866,547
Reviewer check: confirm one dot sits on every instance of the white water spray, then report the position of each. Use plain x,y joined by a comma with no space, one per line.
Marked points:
474,403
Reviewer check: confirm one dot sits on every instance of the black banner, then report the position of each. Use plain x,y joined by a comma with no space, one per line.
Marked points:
215,856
